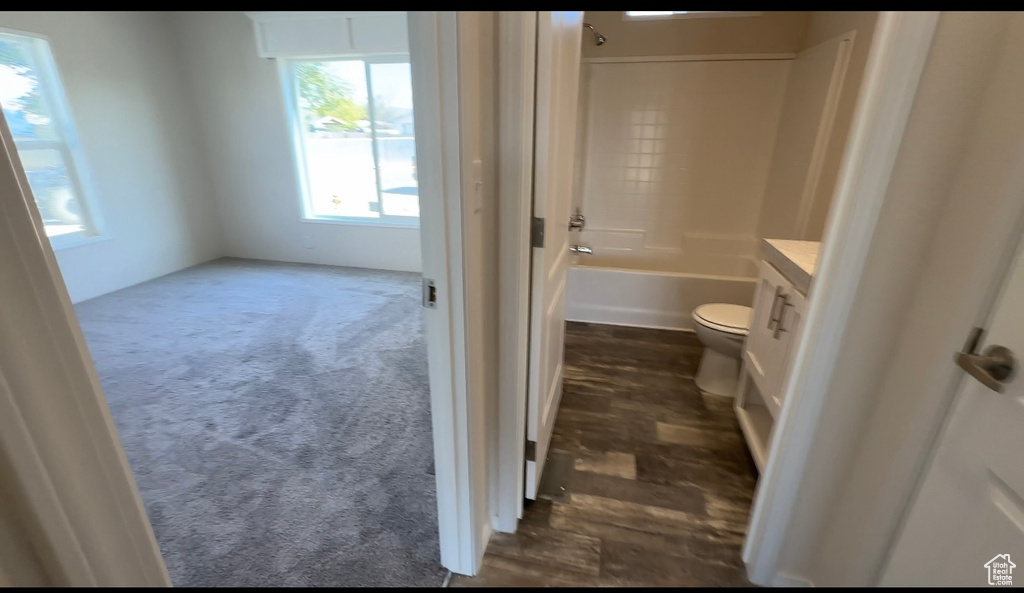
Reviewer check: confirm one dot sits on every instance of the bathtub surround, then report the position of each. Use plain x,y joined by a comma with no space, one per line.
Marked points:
771,32
277,417
806,126
654,299
689,160
825,25
677,150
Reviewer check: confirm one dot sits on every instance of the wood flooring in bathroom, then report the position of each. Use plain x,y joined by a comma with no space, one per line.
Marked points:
648,483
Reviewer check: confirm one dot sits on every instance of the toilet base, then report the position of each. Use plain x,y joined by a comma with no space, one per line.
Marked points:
718,373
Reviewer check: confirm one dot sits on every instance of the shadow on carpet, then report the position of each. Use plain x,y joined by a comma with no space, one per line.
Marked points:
277,420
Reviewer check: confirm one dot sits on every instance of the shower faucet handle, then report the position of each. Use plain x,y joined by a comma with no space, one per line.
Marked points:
577,220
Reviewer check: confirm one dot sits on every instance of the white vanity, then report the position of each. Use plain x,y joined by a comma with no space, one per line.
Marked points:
786,272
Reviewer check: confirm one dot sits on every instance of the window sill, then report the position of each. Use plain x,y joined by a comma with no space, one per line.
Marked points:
363,223
61,242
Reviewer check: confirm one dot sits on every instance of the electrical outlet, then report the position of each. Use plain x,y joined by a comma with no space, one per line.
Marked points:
307,241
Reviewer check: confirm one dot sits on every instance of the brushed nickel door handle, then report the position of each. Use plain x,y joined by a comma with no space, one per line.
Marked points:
772,320
993,368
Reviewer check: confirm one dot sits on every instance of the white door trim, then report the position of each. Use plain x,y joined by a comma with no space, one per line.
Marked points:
517,47
87,520
896,60
458,446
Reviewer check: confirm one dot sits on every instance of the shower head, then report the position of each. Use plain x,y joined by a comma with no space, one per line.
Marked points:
598,38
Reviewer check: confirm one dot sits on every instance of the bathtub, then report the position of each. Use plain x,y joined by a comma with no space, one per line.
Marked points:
662,294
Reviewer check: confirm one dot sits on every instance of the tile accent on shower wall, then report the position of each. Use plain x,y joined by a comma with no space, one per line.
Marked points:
677,150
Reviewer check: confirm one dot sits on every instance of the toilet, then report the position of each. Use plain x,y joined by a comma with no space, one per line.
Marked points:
721,328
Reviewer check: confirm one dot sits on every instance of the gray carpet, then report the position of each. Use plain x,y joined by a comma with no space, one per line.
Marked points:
277,419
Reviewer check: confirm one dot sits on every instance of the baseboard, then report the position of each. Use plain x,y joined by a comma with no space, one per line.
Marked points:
785,580
629,316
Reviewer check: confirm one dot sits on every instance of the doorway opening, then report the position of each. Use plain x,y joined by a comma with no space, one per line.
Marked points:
686,160
270,386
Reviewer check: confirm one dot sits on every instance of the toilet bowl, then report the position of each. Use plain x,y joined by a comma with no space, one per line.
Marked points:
722,329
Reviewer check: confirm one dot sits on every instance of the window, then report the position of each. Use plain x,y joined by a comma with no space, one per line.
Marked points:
36,110
353,125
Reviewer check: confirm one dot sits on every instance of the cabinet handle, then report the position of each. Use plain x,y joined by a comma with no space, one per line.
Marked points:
773,322
779,328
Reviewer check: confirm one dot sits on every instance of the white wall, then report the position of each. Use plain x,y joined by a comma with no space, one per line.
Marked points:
808,113
825,25
677,150
137,127
247,145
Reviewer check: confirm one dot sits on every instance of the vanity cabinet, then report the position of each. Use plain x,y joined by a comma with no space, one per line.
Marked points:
776,320
777,313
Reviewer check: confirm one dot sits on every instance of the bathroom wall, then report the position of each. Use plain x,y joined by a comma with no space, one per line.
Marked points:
770,32
805,127
676,155
826,25
799,192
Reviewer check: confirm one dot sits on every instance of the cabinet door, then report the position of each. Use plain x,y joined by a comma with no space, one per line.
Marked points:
763,354
790,321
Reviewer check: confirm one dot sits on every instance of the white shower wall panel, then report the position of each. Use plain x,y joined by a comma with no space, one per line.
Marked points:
676,150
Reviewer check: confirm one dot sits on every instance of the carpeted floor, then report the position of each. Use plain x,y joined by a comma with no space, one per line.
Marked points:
277,419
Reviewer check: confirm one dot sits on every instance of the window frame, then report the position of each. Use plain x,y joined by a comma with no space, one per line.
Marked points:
65,141
289,83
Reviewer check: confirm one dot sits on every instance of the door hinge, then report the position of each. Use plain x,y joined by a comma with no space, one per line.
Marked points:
537,232
429,294
531,450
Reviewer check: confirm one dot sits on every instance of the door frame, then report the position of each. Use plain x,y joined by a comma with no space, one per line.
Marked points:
458,432
517,47
85,518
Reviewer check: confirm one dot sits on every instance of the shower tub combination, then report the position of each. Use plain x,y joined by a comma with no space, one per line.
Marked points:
658,292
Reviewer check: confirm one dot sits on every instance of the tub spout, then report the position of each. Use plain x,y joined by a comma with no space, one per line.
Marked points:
581,249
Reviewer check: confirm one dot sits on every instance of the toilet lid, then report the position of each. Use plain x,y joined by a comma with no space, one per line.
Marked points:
733,319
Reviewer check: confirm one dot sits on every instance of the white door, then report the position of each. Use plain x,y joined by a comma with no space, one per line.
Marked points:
970,508
558,67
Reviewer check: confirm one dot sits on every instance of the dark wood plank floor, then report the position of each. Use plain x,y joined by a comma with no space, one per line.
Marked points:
649,482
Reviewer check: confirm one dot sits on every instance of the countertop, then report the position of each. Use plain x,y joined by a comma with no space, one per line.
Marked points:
795,259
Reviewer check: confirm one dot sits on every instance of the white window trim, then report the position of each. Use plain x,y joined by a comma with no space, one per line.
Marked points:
286,74
690,15
67,143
